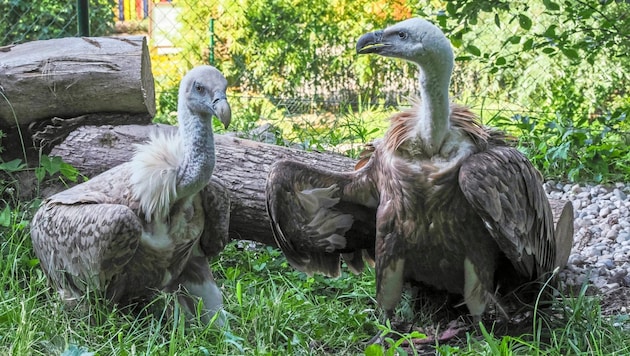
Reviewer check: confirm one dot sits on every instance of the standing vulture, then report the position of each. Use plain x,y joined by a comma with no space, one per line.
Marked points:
148,224
440,200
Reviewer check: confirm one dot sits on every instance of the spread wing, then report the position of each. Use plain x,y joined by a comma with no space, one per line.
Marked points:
84,236
317,216
507,193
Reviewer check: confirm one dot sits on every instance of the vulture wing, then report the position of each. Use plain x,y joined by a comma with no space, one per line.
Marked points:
317,216
506,191
84,236
216,205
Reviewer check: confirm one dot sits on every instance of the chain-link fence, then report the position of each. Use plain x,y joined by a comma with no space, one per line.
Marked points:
299,57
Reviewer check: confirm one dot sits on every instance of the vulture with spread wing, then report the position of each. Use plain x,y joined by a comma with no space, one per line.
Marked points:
149,224
440,199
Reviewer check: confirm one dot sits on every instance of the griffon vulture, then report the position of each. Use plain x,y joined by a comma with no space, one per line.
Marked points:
440,200
148,224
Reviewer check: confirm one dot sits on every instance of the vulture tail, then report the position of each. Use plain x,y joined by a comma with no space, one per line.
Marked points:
564,235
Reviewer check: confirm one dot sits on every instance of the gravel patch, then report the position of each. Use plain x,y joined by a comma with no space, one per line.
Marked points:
601,246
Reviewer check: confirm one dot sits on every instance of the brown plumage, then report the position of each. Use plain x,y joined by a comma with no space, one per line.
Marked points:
440,199
149,224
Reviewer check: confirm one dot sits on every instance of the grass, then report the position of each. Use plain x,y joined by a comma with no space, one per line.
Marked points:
273,310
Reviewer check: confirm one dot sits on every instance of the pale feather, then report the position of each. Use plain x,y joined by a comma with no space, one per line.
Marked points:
154,174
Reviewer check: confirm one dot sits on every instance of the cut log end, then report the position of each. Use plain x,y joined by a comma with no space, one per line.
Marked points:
74,76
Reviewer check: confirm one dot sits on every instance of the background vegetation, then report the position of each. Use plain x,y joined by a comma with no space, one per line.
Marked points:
553,72
22,21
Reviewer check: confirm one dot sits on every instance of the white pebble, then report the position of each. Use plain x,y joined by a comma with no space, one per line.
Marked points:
602,232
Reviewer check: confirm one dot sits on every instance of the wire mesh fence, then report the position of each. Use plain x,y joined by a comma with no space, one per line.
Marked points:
299,56
22,21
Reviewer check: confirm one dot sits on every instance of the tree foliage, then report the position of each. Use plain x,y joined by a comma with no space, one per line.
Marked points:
564,67
25,20
552,72
287,49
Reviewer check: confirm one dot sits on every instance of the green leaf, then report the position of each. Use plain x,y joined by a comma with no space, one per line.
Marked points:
570,53
513,39
473,50
69,171
456,42
497,21
550,31
52,165
528,44
549,50
551,6
500,61
524,21
5,217
450,8
12,166
374,350
417,335
239,293
32,262
40,173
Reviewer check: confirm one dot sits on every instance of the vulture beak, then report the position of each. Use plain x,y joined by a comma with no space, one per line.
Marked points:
370,42
222,110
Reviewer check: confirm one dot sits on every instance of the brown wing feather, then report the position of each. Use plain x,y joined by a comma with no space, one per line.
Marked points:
84,246
317,215
84,236
216,205
506,190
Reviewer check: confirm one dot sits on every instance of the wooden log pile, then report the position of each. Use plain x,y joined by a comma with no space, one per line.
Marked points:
50,87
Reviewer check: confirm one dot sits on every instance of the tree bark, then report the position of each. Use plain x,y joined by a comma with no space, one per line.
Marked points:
74,76
242,165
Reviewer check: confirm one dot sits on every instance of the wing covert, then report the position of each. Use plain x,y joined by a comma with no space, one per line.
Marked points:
506,191
84,246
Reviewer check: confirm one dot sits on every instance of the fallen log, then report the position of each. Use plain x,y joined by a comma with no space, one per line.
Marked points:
74,76
242,165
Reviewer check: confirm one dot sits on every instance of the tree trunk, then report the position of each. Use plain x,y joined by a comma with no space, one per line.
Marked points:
74,76
242,165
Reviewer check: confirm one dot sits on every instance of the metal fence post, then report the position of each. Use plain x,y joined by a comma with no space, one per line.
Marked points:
83,17
211,57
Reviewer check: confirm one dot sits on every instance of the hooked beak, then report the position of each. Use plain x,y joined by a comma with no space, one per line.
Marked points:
222,110
370,42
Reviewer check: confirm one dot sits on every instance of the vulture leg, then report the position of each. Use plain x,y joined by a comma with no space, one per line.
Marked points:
199,289
474,291
80,251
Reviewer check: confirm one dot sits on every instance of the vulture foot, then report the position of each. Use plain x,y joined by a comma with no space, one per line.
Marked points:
200,296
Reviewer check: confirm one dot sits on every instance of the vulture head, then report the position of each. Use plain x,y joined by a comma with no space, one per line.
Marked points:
202,92
415,40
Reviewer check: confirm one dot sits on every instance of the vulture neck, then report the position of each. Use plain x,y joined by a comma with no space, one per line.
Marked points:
433,117
196,136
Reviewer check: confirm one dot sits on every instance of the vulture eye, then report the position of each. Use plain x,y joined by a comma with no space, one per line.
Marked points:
199,88
402,35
